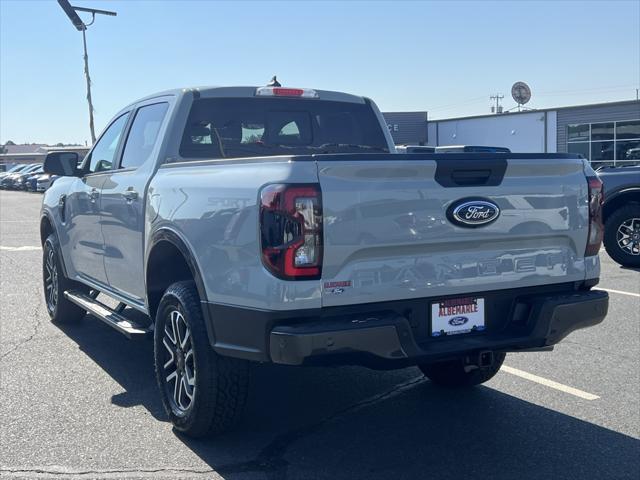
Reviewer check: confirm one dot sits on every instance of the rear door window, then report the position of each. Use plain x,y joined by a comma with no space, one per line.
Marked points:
143,134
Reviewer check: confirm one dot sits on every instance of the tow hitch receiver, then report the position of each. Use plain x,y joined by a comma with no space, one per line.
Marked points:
485,359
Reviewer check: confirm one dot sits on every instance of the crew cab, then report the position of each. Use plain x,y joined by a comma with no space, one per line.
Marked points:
273,224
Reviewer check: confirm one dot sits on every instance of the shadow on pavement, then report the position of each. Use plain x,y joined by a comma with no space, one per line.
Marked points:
356,423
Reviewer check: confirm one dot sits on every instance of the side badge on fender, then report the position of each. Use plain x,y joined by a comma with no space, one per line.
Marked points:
473,212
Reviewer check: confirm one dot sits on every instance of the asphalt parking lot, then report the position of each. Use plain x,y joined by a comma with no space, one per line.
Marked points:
81,402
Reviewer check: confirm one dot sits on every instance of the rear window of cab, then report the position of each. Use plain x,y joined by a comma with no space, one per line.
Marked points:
249,127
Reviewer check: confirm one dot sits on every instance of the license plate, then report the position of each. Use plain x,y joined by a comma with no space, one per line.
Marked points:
456,316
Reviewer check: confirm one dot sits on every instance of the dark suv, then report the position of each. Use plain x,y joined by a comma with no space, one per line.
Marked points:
622,213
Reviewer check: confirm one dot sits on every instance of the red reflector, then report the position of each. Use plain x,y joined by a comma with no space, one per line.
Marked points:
288,92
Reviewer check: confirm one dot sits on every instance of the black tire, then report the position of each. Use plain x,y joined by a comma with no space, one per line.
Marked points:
218,385
55,283
614,222
452,374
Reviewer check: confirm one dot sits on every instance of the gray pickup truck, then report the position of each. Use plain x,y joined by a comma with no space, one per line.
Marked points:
270,224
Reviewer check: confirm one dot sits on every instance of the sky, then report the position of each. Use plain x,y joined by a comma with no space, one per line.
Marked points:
443,57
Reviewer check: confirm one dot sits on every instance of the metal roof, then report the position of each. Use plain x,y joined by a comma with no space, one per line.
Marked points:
506,114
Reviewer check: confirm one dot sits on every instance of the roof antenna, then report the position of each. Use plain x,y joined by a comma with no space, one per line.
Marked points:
274,82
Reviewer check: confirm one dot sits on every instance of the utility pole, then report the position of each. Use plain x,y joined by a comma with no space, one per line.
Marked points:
498,108
86,74
71,12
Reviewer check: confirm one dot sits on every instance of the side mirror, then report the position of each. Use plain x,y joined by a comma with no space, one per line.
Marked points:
62,163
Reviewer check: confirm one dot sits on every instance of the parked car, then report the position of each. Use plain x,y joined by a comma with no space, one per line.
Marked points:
622,213
21,180
44,181
471,149
15,180
12,170
31,182
219,213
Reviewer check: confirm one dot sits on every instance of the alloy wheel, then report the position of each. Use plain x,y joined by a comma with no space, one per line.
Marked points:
179,367
51,280
628,236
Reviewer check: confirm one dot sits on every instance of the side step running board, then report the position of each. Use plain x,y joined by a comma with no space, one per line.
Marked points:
110,317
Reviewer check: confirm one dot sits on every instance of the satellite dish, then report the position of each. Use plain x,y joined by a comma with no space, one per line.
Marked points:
521,93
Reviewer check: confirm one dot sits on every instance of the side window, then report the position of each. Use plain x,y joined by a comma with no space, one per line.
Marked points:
143,135
103,154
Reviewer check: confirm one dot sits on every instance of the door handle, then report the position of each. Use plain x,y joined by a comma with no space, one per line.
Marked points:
130,195
93,195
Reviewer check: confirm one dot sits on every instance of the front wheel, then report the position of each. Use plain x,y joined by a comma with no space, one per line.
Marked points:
622,236
202,392
457,373
55,283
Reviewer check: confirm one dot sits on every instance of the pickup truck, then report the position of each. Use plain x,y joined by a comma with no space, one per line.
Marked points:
240,225
621,213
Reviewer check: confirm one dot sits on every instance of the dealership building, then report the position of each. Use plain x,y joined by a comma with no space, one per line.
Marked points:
604,133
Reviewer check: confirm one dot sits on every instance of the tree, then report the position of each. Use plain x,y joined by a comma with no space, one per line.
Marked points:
9,142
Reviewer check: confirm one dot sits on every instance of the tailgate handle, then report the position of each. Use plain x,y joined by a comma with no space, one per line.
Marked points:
470,177
453,171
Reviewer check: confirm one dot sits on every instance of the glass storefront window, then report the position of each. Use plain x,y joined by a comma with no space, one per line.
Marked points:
626,130
628,150
582,148
602,151
578,133
601,131
607,143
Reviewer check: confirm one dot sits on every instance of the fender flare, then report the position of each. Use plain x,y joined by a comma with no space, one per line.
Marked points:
166,234
616,193
54,228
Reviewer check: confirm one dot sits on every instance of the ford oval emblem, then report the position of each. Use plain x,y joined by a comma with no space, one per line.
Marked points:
457,321
472,213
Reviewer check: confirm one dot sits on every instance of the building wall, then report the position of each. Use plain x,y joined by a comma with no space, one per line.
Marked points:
522,132
407,128
593,114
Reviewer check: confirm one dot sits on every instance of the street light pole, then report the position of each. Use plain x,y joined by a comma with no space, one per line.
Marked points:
71,12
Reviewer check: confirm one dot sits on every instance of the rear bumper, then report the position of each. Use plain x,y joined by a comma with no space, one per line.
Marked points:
396,335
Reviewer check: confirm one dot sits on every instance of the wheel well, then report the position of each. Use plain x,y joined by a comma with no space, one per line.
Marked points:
166,265
46,229
619,201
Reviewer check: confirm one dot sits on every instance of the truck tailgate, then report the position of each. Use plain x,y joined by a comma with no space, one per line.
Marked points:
389,232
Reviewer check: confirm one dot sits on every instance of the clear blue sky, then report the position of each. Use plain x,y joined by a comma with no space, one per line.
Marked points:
444,57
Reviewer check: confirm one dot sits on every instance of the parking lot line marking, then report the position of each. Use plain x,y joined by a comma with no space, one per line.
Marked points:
549,383
620,292
20,249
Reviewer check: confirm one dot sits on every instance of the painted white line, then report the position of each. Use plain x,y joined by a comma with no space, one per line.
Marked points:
620,292
549,383
19,249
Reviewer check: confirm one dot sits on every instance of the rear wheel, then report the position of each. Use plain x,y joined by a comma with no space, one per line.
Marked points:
622,235
60,309
457,373
202,392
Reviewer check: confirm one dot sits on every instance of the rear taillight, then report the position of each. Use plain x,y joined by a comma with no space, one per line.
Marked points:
596,228
291,230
